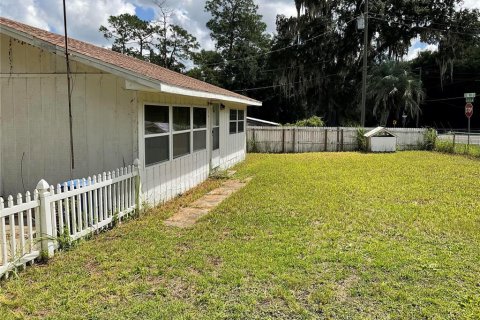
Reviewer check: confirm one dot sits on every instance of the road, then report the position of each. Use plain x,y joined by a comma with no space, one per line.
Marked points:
461,138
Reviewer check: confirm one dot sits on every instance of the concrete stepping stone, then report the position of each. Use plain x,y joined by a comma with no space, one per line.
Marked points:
188,216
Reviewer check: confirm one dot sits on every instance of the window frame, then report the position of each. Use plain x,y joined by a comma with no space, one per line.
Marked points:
156,135
199,129
236,121
171,132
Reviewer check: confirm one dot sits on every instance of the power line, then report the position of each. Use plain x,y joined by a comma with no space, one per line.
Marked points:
279,49
447,99
293,67
286,84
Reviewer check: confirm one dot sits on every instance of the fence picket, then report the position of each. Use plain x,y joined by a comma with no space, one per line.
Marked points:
11,221
84,197
21,227
29,222
3,235
90,204
78,203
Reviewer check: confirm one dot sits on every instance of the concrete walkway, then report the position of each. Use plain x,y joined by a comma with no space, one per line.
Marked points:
187,217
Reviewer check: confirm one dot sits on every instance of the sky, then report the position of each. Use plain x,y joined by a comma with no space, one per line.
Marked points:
85,16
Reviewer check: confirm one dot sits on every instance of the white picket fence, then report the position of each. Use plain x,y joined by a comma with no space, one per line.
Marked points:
321,139
32,228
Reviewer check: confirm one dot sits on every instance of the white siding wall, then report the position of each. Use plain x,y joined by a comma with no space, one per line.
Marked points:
164,181
234,148
34,119
108,126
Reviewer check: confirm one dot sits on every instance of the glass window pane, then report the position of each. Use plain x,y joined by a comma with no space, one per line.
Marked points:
156,119
156,150
233,126
241,126
199,140
181,144
216,138
233,114
199,118
241,114
181,118
216,115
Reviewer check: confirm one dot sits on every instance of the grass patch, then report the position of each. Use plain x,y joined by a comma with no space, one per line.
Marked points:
458,148
330,235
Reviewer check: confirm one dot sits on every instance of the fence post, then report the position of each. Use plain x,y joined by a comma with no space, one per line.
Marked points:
294,140
341,139
45,216
338,139
138,186
326,140
454,141
283,140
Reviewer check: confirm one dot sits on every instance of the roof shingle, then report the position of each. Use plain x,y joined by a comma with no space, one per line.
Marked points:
131,64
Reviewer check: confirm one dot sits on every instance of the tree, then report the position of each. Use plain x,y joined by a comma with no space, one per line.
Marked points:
167,45
240,38
320,51
131,34
207,67
174,49
392,89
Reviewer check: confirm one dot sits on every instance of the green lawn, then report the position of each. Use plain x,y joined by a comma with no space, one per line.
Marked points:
326,235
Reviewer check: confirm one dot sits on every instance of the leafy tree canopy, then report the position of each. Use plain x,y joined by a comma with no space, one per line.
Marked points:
159,42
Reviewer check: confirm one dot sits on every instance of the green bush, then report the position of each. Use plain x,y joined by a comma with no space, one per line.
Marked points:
429,138
361,139
310,122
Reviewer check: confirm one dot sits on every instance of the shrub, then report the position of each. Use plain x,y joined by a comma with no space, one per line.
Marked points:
310,122
430,139
361,139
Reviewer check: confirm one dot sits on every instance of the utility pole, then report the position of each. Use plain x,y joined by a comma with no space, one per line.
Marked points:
365,66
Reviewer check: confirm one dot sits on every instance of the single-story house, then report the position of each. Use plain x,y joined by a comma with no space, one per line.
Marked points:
180,128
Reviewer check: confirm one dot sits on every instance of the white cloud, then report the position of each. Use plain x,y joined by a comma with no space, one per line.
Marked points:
84,17
270,9
418,47
471,4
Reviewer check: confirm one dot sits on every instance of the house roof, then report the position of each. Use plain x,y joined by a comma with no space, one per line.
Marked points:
376,131
151,75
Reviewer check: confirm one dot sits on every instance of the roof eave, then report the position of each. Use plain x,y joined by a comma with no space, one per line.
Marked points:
206,95
129,75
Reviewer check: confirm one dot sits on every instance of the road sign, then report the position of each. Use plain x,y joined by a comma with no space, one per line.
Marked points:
469,97
469,110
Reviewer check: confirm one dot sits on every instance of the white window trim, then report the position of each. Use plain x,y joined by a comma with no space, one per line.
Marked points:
171,132
236,121
147,136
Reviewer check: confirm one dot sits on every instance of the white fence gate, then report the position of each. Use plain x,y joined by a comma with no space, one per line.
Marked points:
32,227
321,139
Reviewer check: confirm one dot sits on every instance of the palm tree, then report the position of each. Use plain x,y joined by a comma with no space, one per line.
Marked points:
391,88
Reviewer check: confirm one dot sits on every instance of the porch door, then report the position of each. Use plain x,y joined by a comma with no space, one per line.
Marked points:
215,137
